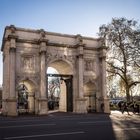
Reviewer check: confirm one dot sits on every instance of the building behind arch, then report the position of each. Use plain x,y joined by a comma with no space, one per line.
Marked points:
80,61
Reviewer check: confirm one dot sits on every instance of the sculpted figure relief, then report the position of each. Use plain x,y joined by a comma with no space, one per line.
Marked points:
89,65
28,64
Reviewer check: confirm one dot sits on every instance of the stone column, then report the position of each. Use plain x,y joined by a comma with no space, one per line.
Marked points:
81,101
12,101
103,76
6,65
43,107
80,76
104,92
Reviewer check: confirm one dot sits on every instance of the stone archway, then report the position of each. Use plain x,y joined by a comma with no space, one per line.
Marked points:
90,94
26,97
28,53
64,75
62,66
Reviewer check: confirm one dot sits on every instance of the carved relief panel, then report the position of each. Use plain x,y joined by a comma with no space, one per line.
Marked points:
89,70
28,63
89,65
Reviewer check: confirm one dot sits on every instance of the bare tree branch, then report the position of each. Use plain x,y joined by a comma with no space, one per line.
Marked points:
123,39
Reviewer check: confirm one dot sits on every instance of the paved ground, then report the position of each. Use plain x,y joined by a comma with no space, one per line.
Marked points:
70,126
126,127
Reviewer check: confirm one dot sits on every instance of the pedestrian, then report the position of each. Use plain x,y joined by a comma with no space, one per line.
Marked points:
125,108
120,105
134,107
102,107
26,106
138,108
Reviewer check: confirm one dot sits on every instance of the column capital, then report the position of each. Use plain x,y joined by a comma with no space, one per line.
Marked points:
43,45
13,42
80,56
12,49
43,50
12,36
80,51
43,40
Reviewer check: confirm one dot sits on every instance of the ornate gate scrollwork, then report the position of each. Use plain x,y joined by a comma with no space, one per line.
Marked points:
22,103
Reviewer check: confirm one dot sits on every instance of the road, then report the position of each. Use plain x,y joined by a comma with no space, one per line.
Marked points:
69,126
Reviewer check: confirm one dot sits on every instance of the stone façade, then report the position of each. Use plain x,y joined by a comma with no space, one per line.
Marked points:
28,53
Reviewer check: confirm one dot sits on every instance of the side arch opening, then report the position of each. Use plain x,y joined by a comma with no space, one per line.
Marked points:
26,97
90,94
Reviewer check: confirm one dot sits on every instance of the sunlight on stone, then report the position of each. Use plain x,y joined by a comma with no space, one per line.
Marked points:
51,70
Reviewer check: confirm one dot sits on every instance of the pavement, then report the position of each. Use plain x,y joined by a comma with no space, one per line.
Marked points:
71,126
125,114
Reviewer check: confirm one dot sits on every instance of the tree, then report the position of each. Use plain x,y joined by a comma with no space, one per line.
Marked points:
53,87
122,37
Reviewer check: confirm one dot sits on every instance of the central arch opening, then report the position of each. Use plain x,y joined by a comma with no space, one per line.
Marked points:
59,81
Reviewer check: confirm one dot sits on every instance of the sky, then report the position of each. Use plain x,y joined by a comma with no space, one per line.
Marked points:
64,16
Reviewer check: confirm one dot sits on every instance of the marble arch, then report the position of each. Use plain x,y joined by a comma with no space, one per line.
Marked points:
26,55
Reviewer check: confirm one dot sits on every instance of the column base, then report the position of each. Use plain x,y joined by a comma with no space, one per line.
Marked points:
11,107
43,107
106,105
81,105
4,107
103,105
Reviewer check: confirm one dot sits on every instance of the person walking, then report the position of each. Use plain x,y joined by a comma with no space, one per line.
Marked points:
120,105
125,108
26,106
102,107
137,108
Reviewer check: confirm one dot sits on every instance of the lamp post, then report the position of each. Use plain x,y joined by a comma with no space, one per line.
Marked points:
95,101
61,80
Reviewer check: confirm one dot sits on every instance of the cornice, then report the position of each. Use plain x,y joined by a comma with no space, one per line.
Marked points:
38,31
44,34
38,41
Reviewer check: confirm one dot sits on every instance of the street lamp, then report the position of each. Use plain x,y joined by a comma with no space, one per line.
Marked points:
95,101
61,80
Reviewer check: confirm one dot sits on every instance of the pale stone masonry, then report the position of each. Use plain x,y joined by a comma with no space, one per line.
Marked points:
28,53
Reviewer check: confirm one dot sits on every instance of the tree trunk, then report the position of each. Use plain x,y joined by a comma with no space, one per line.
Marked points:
127,94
